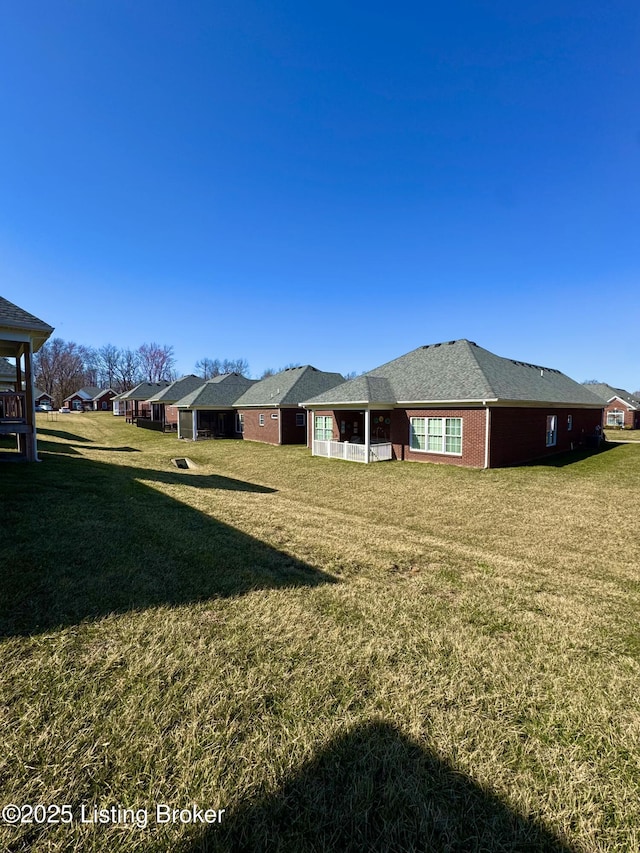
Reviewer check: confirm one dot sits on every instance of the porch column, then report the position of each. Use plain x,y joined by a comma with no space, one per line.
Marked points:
195,424
367,434
30,408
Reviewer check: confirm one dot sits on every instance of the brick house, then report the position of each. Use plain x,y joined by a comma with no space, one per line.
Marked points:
40,397
164,414
91,399
208,412
21,335
270,410
455,403
621,409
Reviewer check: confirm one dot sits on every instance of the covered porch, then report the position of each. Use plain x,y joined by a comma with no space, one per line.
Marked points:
198,424
21,335
355,435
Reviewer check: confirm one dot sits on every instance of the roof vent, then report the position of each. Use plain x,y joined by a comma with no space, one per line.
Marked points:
451,342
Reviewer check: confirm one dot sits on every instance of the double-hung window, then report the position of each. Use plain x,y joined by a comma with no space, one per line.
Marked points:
323,428
436,435
552,430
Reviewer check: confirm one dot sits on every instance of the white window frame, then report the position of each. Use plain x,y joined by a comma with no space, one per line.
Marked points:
569,423
323,428
239,423
552,430
420,426
615,417
261,419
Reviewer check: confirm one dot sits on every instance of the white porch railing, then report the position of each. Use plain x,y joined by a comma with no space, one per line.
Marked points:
378,452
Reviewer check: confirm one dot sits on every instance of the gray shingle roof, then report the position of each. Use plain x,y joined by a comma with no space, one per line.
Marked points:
7,371
143,390
91,392
289,387
221,392
607,392
177,390
14,317
458,371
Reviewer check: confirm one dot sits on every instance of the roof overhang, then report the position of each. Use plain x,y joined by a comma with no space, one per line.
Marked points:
459,404
355,404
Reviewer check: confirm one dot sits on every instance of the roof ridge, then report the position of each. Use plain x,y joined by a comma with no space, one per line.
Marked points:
471,349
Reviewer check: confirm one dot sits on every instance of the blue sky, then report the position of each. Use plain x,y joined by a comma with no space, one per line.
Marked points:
330,183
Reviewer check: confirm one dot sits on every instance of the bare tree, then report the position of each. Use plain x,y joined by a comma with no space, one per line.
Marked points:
60,368
270,371
108,360
210,367
238,365
157,362
91,363
127,370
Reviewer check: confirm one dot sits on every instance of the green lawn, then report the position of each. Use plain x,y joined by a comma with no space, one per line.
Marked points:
622,434
394,657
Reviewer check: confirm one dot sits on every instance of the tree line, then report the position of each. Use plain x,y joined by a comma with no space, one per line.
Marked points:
63,367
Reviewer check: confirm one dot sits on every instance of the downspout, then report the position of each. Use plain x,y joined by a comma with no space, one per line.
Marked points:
487,431
279,411
195,425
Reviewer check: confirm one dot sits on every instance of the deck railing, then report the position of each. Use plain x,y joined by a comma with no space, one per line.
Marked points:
13,406
380,451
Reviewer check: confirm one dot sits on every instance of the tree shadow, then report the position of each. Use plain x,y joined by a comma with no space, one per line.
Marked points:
375,790
60,433
83,539
124,449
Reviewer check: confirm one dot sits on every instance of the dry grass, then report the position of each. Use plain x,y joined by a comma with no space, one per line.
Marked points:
345,657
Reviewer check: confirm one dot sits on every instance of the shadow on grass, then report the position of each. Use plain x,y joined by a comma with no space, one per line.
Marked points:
60,433
124,449
83,539
375,790
571,457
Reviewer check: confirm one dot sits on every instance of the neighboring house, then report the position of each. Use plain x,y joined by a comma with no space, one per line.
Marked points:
622,409
164,414
455,403
90,400
134,403
270,410
21,335
41,397
208,412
